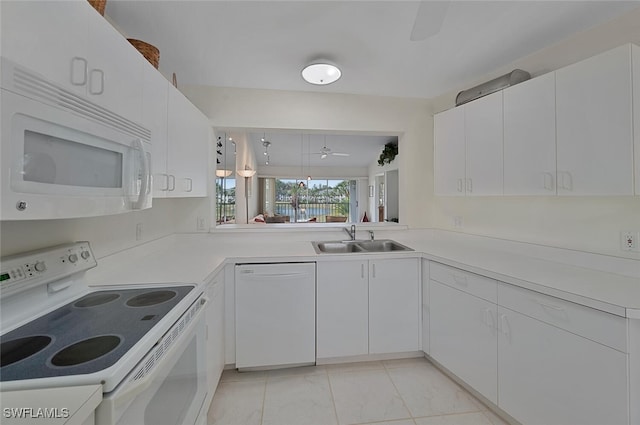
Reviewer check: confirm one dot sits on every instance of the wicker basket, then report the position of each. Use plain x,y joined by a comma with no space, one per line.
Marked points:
151,53
98,5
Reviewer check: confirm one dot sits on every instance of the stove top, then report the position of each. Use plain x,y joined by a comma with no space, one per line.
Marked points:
86,335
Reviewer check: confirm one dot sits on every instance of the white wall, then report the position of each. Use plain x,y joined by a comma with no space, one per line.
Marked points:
410,119
584,223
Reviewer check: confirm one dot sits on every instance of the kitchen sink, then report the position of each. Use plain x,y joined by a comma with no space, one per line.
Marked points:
346,247
338,247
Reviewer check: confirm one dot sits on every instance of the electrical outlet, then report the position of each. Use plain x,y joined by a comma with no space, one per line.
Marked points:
139,231
629,240
201,223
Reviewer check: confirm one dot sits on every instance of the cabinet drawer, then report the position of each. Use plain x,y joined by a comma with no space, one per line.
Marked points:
596,325
474,284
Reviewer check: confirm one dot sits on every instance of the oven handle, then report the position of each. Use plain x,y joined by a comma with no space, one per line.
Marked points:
128,394
144,184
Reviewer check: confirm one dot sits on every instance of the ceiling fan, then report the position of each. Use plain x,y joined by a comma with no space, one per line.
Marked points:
325,151
429,19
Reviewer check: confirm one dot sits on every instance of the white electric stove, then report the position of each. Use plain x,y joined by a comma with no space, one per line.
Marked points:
134,340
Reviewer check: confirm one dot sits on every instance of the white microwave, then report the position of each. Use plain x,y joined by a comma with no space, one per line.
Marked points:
63,156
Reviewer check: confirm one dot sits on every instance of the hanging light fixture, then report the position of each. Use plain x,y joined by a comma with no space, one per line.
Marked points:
321,73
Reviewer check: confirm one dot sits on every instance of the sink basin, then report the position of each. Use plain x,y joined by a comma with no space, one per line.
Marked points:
346,247
338,247
383,245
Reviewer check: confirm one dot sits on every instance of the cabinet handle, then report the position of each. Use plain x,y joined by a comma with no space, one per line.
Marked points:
166,182
373,269
549,306
548,180
101,80
470,185
504,324
489,320
82,63
459,185
187,179
172,180
362,270
566,177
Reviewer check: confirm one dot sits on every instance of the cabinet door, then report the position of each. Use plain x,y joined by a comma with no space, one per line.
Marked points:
342,321
594,125
449,161
463,337
155,92
550,376
483,135
115,70
215,331
425,306
530,137
188,146
394,306
49,37
636,116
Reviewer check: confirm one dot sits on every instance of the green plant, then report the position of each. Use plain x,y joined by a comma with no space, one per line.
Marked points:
388,153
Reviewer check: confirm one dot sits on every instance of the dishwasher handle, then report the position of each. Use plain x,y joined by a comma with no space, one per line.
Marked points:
253,275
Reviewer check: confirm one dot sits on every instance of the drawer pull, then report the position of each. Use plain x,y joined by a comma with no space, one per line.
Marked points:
489,320
549,306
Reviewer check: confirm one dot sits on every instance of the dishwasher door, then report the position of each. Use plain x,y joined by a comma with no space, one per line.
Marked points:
275,315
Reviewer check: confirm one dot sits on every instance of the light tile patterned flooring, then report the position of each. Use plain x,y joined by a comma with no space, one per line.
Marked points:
391,392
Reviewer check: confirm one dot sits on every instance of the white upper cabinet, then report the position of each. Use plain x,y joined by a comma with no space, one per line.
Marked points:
155,91
595,125
530,137
115,69
468,148
71,44
484,140
49,37
189,135
449,155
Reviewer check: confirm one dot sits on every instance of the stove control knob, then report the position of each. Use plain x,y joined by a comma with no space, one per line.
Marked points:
40,266
73,258
85,255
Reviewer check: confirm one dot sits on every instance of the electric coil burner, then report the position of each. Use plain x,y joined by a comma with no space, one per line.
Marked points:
57,331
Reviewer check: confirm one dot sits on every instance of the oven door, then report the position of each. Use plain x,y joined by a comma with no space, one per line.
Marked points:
169,385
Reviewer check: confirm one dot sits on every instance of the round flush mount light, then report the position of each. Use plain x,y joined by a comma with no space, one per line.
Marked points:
321,73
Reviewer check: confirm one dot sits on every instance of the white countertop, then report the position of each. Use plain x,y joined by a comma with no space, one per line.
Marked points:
198,257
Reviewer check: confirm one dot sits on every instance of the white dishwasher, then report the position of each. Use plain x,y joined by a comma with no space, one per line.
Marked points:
275,315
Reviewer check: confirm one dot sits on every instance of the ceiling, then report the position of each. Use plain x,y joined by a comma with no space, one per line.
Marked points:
295,150
265,44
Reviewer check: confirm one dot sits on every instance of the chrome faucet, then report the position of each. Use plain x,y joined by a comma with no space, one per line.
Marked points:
351,232
371,235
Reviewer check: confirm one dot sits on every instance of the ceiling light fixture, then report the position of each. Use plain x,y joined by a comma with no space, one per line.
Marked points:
266,145
321,73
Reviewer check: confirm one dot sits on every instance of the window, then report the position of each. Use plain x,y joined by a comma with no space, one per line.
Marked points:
319,200
226,200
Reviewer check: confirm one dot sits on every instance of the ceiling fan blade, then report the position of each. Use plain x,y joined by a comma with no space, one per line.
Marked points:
429,19
340,154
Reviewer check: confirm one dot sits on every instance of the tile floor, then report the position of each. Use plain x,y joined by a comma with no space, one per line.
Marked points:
391,392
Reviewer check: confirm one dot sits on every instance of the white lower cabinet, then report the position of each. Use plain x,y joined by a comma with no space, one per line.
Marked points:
425,305
550,376
215,331
368,307
541,359
394,306
463,337
343,309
